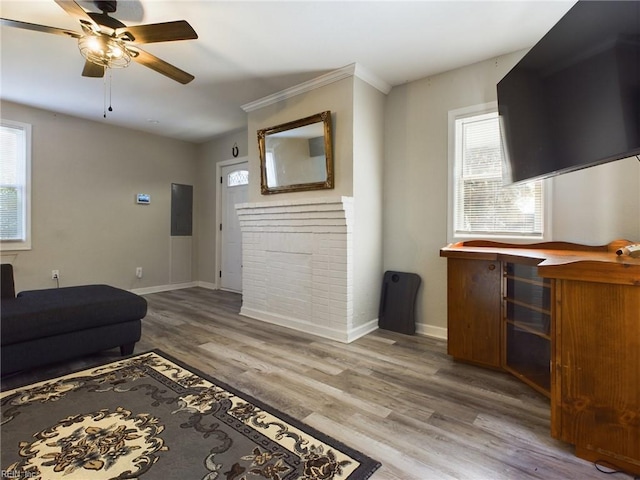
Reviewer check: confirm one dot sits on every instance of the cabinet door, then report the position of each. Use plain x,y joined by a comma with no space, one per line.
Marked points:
598,369
473,310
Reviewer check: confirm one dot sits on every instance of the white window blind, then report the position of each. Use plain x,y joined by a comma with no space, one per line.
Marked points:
482,205
14,184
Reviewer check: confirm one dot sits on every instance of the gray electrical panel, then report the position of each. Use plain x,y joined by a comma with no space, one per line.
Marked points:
181,210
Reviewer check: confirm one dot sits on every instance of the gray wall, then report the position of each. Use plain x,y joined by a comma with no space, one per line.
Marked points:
598,204
368,167
85,221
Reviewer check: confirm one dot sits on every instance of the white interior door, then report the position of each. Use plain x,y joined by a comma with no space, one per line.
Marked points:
235,186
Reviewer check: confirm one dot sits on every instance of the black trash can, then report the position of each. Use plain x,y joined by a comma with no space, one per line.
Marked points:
398,302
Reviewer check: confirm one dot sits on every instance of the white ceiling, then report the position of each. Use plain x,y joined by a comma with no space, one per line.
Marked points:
248,50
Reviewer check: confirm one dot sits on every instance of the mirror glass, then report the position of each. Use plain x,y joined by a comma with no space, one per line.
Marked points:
297,155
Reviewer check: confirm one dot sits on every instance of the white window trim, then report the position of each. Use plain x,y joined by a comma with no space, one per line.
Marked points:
15,245
547,186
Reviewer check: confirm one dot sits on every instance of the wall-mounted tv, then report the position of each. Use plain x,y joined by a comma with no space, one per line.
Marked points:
573,101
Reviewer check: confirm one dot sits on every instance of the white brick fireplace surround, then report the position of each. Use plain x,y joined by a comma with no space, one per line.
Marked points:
298,266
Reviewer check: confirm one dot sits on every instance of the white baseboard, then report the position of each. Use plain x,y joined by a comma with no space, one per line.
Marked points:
431,331
173,286
362,330
308,327
207,285
163,288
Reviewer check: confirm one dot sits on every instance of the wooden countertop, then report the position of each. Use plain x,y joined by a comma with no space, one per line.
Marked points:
561,260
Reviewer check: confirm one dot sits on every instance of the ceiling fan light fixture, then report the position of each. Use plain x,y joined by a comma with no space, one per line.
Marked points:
106,51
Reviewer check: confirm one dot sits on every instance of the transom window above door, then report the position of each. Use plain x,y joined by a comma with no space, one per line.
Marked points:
238,178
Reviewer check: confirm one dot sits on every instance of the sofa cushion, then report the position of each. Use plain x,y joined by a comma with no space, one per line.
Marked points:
43,313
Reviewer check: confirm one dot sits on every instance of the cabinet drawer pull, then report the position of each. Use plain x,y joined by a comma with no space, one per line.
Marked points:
492,267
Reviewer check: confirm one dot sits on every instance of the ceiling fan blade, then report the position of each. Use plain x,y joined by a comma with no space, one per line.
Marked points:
92,70
160,32
38,28
76,11
160,66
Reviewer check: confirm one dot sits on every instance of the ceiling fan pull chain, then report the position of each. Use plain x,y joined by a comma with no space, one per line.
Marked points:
104,103
104,99
110,73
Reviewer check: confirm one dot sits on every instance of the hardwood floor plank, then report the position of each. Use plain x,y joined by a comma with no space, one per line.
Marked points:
397,462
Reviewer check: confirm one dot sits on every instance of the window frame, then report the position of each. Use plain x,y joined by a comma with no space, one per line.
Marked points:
25,242
453,236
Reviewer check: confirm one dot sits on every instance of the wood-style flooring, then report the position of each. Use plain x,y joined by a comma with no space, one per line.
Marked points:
400,399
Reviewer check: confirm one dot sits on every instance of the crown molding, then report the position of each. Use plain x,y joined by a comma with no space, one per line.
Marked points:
353,70
371,78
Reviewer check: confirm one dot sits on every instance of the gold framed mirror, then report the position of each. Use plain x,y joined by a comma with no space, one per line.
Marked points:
297,156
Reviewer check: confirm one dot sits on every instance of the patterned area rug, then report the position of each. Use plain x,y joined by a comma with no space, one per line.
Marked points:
153,417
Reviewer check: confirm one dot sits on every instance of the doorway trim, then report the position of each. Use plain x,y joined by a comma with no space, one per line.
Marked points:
219,166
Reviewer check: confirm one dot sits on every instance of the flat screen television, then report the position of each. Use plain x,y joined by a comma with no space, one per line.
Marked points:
573,101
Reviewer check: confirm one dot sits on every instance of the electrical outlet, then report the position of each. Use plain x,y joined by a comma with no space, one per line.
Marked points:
55,274
138,272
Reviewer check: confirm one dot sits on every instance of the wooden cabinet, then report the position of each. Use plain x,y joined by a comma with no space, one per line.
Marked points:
564,318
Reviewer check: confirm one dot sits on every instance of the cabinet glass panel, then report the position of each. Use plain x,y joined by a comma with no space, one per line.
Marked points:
529,355
528,298
526,272
527,311
526,317
535,294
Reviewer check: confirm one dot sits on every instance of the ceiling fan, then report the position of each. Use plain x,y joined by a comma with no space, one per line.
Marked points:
106,42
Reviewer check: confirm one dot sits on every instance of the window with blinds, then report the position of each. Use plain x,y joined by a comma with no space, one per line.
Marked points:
15,141
482,206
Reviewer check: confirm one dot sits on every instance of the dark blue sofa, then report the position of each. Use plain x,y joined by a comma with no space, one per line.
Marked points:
39,327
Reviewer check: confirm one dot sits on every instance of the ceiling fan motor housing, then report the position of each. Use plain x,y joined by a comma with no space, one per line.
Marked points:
106,6
104,20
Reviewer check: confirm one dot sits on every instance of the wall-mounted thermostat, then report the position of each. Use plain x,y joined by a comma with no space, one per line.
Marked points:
143,198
